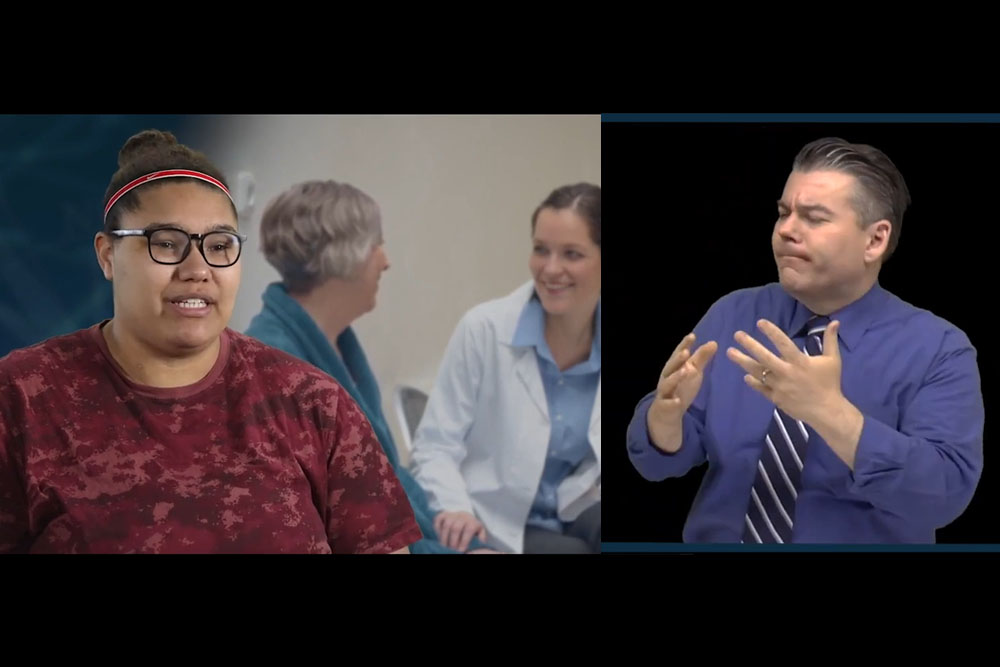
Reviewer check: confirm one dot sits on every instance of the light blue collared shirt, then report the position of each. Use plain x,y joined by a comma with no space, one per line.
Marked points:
570,396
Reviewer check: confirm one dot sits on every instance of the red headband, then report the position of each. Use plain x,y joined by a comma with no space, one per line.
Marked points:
169,173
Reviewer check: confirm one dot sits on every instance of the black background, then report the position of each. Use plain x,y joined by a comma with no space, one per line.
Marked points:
694,206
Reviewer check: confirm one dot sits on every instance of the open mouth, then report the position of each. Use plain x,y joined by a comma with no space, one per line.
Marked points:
191,304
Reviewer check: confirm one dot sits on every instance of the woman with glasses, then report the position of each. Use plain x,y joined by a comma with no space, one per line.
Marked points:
163,431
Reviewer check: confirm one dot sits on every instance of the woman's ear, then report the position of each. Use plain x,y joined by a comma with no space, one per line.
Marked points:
105,254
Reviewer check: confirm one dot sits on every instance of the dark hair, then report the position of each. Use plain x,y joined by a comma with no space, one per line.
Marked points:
583,198
881,193
144,153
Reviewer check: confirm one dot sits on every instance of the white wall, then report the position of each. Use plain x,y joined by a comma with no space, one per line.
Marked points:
456,194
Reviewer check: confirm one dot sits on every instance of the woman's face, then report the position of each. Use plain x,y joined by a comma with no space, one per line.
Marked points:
176,309
565,263
371,272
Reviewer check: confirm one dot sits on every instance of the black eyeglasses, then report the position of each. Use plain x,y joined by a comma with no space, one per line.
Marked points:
169,245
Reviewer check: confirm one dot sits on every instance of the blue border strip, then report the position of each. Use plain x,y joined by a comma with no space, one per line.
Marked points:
800,118
658,547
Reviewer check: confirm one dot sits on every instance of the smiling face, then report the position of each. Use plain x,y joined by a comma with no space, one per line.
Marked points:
565,263
178,309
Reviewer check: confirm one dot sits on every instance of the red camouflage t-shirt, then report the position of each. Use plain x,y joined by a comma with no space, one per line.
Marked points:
265,454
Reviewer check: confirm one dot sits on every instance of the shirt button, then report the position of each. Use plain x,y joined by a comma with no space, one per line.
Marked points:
561,382
558,418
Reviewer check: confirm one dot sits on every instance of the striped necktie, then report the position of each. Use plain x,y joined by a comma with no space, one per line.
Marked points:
770,515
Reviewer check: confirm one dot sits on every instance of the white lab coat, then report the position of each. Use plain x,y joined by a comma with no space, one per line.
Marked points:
483,439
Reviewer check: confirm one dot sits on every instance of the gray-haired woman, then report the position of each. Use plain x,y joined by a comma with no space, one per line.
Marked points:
325,239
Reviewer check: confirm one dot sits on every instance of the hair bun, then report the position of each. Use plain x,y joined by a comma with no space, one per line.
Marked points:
143,142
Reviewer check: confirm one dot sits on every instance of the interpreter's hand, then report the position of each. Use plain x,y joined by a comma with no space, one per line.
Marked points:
678,385
805,387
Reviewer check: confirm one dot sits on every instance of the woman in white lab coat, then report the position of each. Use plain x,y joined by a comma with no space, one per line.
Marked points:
509,447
